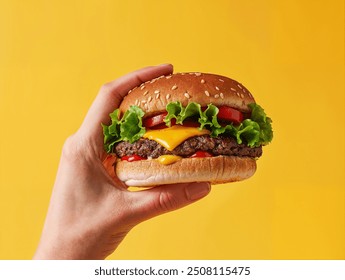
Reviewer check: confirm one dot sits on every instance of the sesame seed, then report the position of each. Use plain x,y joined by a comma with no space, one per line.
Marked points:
232,89
143,101
221,80
207,93
157,91
216,96
244,90
167,96
174,87
221,95
202,81
242,95
157,95
146,106
168,77
237,94
197,74
146,92
217,88
129,91
137,102
142,87
152,81
149,99
239,86
186,95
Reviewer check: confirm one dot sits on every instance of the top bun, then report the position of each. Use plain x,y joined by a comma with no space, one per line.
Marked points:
153,96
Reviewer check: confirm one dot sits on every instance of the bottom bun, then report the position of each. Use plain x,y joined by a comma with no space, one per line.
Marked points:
216,170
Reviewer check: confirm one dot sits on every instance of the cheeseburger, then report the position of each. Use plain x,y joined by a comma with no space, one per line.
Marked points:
187,127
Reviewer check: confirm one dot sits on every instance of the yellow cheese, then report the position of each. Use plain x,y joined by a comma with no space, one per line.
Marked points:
173,136
168,159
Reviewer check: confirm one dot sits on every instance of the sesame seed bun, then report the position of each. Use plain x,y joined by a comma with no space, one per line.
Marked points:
216,170
153,96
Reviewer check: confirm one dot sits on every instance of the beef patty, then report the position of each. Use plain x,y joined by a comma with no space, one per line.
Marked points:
215,145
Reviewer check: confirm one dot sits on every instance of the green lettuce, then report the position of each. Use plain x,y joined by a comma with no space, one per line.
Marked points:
255,131
258,115
128,128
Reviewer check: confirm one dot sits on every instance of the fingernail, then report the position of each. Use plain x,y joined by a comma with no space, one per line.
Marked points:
165,64
196,191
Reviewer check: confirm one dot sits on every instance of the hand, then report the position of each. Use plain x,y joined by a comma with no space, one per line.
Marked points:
91,210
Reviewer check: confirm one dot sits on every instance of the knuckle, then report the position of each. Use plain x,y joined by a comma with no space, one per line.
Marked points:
77,147
167,202
106,87
71,148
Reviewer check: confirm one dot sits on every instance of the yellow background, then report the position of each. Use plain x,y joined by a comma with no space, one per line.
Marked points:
54,56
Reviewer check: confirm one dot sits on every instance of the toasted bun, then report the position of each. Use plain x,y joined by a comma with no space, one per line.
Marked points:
216,170
153,96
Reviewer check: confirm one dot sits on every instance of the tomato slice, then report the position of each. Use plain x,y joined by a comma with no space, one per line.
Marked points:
161,125
230,114
132,158
225,114
155,120
201,154
191,123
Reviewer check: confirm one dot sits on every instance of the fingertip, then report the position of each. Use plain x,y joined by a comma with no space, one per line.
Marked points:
164,68
168,65
165,198
197,190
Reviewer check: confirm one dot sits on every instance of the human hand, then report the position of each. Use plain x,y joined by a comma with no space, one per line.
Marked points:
91,210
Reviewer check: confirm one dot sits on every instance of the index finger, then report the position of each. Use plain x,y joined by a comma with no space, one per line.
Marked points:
110,97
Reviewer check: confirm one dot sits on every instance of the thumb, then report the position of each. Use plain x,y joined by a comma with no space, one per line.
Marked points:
153,202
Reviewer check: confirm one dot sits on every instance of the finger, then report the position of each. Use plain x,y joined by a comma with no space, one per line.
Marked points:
156,201
108,164
111,95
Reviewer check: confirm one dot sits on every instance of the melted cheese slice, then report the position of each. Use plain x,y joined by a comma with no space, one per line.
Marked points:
173,136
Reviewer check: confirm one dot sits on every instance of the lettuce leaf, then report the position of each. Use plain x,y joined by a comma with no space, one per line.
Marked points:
174,111
128,128
258,115
255,131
